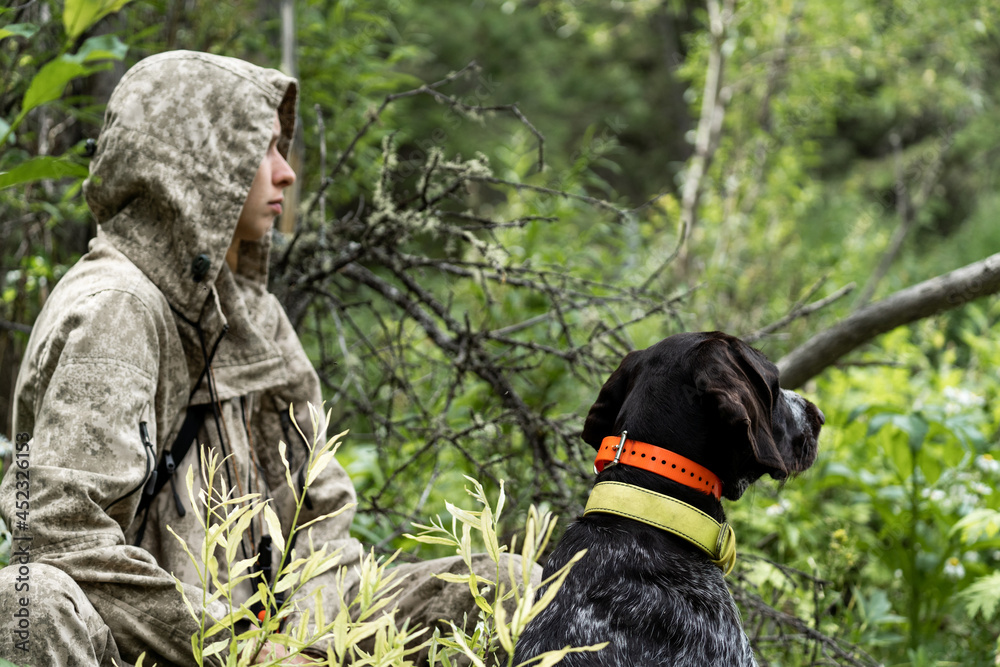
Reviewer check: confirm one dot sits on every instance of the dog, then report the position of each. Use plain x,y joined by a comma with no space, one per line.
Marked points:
696,417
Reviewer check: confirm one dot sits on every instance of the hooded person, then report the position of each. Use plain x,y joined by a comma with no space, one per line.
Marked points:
164,332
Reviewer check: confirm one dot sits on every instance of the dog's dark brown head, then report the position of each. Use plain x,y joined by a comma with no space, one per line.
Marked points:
714,399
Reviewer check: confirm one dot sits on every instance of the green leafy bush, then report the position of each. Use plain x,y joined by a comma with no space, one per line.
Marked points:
895,529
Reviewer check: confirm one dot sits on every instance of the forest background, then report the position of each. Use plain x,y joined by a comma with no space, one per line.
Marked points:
498,199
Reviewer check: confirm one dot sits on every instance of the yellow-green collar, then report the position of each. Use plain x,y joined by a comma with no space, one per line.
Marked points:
669,514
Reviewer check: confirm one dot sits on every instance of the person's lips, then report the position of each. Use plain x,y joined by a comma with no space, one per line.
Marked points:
275,206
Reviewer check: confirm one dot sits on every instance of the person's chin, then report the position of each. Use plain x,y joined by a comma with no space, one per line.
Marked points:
265,226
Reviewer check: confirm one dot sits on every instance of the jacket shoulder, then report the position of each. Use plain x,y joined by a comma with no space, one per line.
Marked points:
104,310
105,268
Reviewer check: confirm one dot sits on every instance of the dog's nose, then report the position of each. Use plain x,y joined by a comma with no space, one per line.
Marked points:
822,417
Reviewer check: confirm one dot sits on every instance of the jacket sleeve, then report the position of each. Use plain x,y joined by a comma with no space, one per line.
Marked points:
94,381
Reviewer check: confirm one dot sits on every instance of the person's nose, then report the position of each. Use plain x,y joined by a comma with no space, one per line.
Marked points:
282,175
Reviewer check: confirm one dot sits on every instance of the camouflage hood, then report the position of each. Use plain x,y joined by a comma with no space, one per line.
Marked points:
169,179
183,136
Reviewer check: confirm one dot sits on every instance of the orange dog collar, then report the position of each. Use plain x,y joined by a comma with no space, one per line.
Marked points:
618,449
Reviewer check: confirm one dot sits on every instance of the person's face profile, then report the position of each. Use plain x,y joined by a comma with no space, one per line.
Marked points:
265,199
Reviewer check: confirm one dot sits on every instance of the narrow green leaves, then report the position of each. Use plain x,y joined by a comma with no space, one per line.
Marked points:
274,528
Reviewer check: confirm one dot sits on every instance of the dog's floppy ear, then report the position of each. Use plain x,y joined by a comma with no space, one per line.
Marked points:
600,421
733,380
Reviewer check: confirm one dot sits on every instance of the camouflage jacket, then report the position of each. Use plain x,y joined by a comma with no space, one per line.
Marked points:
125,338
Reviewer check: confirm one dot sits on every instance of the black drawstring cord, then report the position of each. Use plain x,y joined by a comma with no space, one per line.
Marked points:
206,373
213,397
150,484
208,359
147,481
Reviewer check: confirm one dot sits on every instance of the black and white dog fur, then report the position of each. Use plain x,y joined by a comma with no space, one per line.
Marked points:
655,597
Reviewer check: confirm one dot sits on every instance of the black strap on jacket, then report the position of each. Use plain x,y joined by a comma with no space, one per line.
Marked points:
165,469
265,565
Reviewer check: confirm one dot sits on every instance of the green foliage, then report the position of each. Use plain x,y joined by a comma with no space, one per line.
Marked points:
226,520
26,30
42,167
983,596
50,80
494,630
892,535
897,517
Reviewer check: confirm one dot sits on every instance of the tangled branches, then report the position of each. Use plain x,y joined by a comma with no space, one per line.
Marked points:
429,331
449,346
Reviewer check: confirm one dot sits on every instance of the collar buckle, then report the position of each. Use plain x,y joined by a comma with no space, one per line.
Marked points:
725,548
618,454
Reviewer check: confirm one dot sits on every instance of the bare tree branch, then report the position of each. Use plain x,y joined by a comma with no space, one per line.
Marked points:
593,201
930,297
799,311
431,89
321,140
15,326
